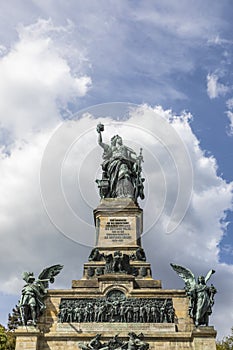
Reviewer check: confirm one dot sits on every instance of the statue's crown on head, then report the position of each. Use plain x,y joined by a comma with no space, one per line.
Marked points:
115,138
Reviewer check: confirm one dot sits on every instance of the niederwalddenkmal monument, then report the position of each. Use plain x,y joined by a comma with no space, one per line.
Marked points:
117,304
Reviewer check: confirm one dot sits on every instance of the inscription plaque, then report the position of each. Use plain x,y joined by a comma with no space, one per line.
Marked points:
119,231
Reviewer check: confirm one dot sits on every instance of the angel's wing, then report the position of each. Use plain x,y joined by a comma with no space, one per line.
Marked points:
186,275
209,274
47,275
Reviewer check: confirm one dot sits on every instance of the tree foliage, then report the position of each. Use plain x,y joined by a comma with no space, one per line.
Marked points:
226,343
14,319
7,339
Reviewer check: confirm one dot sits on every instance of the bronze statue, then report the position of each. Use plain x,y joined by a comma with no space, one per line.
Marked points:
135,342
114,343
95,255
121,176
116,308
201,296
31,304
94,344
138,255
117,262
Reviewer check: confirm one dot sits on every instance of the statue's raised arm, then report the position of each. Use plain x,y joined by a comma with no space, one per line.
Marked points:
100,129
121,169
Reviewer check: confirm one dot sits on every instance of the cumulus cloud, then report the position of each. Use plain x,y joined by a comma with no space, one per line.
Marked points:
166,36
31,241
184,24
230,117
229,103
28,239
214,88
229,113
36,80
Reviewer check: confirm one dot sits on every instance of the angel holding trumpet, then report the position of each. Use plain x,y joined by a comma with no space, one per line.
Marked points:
201,296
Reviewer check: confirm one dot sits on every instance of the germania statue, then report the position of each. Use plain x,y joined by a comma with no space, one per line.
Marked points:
121,176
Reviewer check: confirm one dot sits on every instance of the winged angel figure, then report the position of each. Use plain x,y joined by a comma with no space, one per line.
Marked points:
200,295
32,303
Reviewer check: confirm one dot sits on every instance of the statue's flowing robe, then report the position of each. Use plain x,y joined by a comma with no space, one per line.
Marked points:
120,173
203,304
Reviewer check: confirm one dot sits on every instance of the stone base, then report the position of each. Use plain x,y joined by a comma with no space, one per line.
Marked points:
101,282
159,336
51,334
132,300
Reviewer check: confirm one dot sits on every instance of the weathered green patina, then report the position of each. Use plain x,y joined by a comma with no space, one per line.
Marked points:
32,304
201,296
121,176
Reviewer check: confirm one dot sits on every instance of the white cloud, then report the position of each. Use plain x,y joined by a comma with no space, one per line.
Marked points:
36,80
30,241
230,117
229,113
229,103
153,42
217,40
214,88
3,50
183,19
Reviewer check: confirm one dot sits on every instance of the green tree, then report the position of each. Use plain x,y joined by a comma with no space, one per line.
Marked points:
14,319
226,343
7,339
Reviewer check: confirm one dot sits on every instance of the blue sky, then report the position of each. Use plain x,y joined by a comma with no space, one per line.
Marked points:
57,58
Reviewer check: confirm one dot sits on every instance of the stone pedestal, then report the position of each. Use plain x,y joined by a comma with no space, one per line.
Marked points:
27,338
116,297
